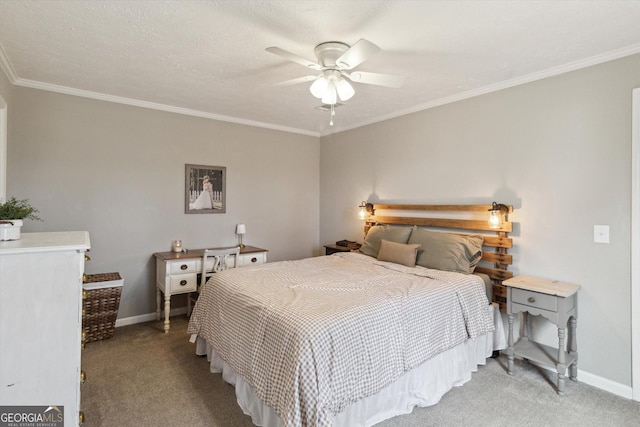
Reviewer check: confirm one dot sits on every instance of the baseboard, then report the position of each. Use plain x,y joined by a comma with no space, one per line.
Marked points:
147,317
605,384
596,381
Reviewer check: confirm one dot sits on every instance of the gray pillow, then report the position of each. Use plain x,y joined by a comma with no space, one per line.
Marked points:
447,251
392,233
400,253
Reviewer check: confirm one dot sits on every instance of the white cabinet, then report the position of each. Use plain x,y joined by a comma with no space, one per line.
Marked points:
177,273
41,320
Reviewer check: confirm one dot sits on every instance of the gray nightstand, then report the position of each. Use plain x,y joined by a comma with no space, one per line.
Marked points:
557,302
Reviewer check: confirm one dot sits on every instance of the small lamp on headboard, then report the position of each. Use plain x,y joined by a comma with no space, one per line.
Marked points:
365,208
240,230
496,214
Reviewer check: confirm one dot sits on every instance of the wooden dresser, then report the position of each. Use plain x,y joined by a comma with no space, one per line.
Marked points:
41,321
177,273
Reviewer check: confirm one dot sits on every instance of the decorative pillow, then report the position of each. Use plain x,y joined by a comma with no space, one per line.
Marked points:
392,233
447,251
400,253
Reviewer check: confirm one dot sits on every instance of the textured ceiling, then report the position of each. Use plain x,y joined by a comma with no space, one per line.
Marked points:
208,58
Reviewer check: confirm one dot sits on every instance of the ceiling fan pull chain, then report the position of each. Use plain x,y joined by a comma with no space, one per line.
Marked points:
332,113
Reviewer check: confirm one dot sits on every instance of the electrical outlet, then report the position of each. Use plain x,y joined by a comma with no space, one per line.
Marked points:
601,234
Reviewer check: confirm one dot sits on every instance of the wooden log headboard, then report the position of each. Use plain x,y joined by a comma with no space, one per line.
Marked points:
495,257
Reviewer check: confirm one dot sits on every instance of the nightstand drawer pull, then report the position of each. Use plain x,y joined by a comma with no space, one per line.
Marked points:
184,267
254,259
183,282
531,299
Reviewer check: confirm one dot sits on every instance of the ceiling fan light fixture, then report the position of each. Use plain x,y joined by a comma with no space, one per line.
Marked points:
319,87
330,95
345,90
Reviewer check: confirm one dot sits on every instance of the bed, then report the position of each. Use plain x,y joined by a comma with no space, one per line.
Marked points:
352,338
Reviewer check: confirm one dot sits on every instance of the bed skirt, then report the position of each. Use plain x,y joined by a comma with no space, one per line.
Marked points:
422,386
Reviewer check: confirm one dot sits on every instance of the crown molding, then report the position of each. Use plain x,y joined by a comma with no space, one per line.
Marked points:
550,72
6,66
156,106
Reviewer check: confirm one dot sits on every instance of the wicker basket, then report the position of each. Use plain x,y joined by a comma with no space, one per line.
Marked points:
101,298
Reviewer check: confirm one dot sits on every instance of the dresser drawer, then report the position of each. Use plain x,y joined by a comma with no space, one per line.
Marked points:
534,299
184,283
186,266
252,258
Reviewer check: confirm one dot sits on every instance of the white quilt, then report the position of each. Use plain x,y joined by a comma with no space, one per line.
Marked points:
315,335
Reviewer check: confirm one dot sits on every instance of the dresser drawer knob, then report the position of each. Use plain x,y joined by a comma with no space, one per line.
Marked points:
183,267
254,259
86,258
531,299
183,282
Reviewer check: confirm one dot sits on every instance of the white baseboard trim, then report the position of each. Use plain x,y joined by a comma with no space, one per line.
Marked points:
595,381
147,317
605,384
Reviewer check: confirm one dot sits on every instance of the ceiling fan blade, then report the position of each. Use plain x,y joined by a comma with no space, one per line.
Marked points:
294,58
296,81
356,54
378,79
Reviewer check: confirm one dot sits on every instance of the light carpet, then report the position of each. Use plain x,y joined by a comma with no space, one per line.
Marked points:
143,377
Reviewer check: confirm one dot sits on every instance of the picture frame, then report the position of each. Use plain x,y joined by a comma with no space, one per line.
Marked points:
205,189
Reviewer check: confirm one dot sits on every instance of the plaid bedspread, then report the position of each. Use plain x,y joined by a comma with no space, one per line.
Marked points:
315,335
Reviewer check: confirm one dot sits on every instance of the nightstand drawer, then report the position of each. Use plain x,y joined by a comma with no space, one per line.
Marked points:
534,299
184,283
186,266
252,258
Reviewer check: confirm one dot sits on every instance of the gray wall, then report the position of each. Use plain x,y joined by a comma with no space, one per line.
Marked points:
558,149
118,172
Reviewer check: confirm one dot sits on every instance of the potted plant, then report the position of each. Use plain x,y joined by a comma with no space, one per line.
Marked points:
12,214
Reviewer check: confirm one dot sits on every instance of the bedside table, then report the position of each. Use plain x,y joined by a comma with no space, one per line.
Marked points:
177,273
332,249
557,302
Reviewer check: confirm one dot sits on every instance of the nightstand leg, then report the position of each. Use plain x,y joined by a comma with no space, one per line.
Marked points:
167,309
189,305
158,302
510,346
573,349
561,366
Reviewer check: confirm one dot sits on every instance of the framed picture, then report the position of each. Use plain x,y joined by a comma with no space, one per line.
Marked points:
205,189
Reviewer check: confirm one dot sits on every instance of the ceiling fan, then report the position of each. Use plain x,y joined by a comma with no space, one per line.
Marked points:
334,62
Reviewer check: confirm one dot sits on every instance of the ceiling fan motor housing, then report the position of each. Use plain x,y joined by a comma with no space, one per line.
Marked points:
328,52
